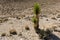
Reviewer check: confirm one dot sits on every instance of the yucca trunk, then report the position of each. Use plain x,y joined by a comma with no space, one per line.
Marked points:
36,25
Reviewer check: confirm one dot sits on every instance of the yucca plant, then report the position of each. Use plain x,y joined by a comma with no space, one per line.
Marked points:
36,15
41,32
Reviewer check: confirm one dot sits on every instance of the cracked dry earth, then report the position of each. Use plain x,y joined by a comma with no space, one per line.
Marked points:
49,18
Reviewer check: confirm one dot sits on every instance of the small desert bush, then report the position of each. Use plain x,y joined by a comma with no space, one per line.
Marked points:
13,32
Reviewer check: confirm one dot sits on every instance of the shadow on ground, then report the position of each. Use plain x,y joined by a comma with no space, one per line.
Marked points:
54,37
50,36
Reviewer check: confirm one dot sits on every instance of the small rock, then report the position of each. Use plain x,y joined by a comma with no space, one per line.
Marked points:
57,29
43,15
53,18
27,28
58,16
20,34
18,17
3,34
13,32
46,19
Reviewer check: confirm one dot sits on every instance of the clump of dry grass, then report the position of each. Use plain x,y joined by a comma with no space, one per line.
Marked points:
13,32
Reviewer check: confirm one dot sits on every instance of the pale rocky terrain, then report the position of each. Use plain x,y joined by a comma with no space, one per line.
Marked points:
17,15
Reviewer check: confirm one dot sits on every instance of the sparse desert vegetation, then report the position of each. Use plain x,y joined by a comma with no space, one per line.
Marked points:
29,19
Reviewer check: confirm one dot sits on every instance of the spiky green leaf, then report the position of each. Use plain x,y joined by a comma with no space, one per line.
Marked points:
36,8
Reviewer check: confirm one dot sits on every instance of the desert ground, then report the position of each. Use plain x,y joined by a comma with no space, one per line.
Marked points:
17,15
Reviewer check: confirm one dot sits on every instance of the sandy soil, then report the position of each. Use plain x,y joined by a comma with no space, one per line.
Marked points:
23,9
